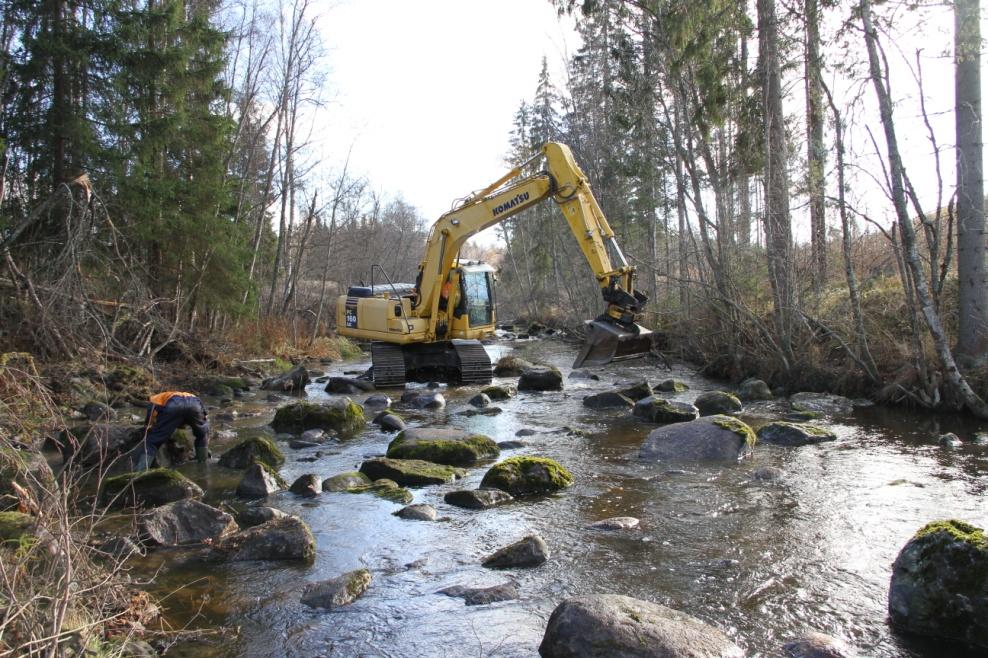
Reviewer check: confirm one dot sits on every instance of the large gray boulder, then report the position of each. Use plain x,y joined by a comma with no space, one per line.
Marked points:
443,445
337,592
655,409
184,522
540,378
531,551
712,403
939,584
608,625
293,381
286,538
794,434
260,480
714,438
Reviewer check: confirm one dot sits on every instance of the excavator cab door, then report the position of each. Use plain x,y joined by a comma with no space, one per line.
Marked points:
478,289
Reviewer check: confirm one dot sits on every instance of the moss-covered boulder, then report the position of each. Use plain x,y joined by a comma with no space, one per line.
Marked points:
540,378
218,385
448,446
16,528
388,490
285,538
939,584
342,415
712,403
500,392
153,488
255,449
410,472
672,386
346,481
713,438
29,470
337,592
794,434
655,409
635,390
527,476
510,366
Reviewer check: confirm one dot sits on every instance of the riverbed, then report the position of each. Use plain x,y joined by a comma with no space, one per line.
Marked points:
761,561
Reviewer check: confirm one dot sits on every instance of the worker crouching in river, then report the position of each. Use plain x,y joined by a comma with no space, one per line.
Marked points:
168,412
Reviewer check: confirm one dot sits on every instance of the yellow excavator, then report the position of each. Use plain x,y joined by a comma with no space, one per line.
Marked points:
431,330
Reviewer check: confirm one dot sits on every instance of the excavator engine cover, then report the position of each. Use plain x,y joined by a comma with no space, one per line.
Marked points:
608,341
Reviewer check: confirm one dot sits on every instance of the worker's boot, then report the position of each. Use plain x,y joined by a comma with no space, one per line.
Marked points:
202,454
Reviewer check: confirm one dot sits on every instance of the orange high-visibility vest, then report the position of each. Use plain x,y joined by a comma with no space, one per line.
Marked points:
161,399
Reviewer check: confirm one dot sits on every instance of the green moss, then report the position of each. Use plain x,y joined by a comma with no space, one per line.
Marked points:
282,484
153,477
154,487
255,449
736,426
957,530
452,452
524,475
16,527
345,418
346,481
499,393
410,472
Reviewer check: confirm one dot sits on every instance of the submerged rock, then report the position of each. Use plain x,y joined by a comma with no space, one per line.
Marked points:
337,592
605,625
768,473
184,522
950,440
712,403
483,595
530,551
307,486
249,451
511,445
794,434
293,381
410,472
287,538
478,498
341,415
714,438
426,401
386,489
260,480
655,409
616,523
939,584
418,513
443,445
540,378
153,488
584,374
608,400
526,476
821,403
816,645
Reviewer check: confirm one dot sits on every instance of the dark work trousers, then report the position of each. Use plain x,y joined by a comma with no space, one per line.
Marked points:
179,411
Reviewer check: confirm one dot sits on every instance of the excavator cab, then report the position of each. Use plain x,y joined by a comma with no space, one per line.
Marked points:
477,294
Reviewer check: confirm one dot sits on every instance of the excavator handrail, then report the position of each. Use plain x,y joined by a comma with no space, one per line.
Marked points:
408,323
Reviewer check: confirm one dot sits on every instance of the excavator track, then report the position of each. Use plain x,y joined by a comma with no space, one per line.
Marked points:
389,365
475,364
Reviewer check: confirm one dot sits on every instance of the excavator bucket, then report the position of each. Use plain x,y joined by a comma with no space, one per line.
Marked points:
607,341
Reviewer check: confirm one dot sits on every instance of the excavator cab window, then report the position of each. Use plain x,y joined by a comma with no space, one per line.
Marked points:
480,297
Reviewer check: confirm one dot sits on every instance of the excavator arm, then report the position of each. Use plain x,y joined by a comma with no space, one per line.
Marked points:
612,335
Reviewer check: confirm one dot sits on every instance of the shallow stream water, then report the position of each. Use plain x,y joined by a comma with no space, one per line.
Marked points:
761,561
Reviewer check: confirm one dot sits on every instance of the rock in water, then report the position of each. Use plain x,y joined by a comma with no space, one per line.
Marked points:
338,591
950,440
616,523
605,625
346,482
672,386
816,645
152,488
540,378
528,552
379,401
184,522
526,476
341,415
417,513
712,403
443,445
939,583
499,393
478,498
389,422
509,366
635,390
348,386
287,538
253,516
259,481
821,403
307,486
480,400
607,400
427,400
794,434
248,451
714,438
483,595
655,409
293,381
410,472
754,389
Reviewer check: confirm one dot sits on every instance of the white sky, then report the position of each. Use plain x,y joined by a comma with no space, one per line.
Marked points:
426,90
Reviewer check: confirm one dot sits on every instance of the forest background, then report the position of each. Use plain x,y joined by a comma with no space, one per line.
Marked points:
160,198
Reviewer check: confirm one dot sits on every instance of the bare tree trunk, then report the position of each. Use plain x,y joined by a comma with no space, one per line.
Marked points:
815,151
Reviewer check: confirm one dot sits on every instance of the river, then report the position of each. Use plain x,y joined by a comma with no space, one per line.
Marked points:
762,561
